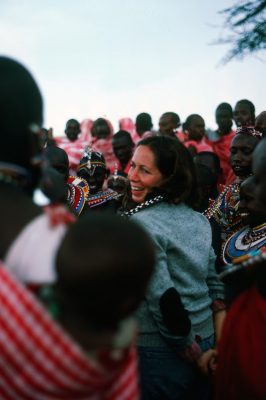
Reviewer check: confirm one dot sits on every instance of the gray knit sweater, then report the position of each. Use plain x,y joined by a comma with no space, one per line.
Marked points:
185,261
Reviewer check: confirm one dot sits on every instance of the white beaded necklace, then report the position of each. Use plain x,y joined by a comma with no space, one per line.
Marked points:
141,206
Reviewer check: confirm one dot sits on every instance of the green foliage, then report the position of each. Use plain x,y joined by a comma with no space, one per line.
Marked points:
247,22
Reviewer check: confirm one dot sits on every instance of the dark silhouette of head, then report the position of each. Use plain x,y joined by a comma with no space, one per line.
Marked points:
260,123
168,123
123,146
21,114
57,159
72,129
101,128
143,123
224,118
103,267
195,127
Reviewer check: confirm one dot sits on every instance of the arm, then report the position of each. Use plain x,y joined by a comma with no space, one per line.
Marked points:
165,305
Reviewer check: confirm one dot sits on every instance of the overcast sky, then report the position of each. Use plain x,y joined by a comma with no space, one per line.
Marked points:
117,58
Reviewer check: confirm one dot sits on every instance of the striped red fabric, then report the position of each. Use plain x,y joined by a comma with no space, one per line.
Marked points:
38,360
74,150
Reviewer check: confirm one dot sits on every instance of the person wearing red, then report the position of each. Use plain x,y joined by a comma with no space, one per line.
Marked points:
222,138
123,147
72,144
194,127
102,133
241,369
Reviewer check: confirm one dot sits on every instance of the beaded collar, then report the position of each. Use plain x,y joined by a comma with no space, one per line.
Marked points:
224,209
243,242
142,206
249,261
101,197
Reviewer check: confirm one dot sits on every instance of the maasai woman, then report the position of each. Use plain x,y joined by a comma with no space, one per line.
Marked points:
252,236
93,169
241,367
176,317
224,210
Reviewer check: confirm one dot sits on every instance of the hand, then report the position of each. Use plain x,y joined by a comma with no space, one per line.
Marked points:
207,362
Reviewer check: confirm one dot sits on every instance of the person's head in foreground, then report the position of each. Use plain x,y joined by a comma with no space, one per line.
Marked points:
103,267
21,114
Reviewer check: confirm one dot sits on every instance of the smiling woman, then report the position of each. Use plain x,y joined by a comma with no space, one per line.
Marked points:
175,320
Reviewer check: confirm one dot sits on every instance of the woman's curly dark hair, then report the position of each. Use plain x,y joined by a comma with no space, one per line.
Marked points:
176,165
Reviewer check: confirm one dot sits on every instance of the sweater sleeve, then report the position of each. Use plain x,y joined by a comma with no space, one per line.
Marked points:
164,302
216,287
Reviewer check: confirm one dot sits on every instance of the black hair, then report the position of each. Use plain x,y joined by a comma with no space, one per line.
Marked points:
73,121
143,122
210,154
51,151
101,128
176,165
250,105
174,117
21,108
226,107
189,120
103,266
125,135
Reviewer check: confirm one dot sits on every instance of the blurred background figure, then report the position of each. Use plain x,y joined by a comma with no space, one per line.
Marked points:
127,124
123,147
85,129
169,122
144,124
72,144
194,127
260,123
102,133
220,140
244,113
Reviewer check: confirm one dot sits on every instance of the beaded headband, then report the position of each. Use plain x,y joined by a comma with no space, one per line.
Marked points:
248,130
90,165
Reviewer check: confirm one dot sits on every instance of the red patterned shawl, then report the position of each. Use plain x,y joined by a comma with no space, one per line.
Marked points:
38,360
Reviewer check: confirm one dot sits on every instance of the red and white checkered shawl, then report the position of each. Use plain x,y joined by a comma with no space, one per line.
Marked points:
38,360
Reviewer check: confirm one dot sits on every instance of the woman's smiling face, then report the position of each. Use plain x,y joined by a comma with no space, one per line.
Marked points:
143,174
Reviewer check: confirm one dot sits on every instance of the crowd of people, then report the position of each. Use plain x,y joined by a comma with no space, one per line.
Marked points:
133,263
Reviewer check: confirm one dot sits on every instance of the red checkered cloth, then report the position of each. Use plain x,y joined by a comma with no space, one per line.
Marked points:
38,360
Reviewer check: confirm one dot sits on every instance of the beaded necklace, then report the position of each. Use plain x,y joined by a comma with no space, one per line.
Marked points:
142,206
224,210
243,242
102,197
246,262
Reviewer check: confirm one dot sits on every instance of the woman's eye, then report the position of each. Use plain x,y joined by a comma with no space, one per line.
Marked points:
145,170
